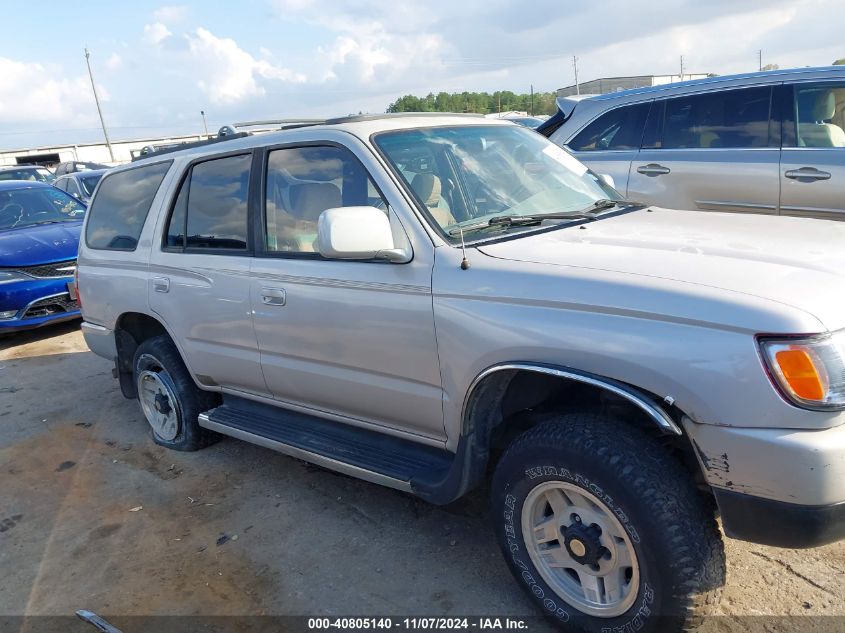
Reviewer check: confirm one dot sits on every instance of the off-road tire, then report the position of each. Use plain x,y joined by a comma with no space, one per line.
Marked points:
191,399
670,523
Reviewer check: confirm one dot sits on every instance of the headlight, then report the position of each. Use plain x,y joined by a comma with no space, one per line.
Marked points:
810,372
8,276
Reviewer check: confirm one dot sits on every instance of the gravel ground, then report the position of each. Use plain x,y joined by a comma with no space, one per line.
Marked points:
94,515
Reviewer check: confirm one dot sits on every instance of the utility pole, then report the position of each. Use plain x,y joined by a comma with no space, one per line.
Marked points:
532,99
682,67
97,101
575,67
204,123
760,59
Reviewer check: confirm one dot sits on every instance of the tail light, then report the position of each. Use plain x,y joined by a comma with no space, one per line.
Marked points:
74,287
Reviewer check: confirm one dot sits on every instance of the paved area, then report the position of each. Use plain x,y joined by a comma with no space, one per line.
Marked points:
94,515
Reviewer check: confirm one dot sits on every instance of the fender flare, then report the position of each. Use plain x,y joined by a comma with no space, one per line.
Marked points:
641,400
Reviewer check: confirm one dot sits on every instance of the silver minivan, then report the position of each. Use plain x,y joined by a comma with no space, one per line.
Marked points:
769,142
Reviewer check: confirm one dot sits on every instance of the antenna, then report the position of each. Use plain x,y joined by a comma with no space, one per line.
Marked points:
464,261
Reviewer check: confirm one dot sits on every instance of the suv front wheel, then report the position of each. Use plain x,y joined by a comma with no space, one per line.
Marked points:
170,400
604,528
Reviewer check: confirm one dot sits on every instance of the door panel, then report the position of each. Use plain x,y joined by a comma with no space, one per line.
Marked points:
812,169
731,180
205,301
352,338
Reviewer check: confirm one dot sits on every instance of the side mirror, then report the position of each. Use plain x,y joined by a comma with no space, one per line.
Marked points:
608,180
357,233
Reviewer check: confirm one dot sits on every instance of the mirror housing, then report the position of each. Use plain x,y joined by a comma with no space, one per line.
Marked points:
358,233
608,180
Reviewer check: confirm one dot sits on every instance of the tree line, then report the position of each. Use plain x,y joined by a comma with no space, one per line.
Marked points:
477,102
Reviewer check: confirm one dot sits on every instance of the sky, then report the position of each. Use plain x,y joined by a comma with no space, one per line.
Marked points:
157,65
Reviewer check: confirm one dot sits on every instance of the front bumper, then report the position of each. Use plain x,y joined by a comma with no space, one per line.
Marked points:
781,487
779,524
36,303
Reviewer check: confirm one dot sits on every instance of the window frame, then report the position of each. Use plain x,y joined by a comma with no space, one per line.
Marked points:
185,176
648,104
89,215
774,134
259,228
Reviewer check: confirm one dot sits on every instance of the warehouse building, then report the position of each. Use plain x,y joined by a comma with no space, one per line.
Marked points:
124,151
617,84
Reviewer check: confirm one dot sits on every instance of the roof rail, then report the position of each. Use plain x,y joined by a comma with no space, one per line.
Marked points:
226,133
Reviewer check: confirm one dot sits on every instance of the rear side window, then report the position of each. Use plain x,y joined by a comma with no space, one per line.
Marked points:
619,129
121,205
210,211
726,119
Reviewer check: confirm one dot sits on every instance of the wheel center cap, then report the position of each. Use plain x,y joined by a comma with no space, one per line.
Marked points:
162,404
583,544
577,547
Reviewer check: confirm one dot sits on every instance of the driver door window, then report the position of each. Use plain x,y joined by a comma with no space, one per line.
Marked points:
302,182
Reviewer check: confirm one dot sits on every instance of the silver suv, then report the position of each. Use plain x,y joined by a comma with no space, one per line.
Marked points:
770,142
435,302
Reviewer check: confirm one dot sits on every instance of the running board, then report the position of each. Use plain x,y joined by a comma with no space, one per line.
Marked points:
357,452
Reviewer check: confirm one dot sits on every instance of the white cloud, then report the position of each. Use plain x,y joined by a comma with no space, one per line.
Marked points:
114,61
170,14
34,93
155,33
221,69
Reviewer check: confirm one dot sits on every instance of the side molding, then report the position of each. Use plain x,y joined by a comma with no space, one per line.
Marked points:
631,394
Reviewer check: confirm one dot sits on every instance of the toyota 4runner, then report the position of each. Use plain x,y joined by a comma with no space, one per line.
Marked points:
432,302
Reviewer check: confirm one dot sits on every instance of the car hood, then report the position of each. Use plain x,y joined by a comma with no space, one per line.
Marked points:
798,262
43,244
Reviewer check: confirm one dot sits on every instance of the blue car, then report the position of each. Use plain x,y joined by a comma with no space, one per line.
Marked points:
39,237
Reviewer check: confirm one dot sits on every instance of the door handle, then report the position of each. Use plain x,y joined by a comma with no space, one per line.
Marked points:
161,284
653,169
273,296
807,173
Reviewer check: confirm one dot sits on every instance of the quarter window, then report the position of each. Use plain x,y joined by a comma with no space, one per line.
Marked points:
120,208
820,115
725,119
619,129
302,182
210,211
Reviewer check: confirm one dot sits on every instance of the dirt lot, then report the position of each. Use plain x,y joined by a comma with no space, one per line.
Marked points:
94,515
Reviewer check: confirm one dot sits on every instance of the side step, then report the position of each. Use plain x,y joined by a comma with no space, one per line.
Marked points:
362,453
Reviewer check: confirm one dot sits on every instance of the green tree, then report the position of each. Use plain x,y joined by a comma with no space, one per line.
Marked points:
839,62
478,102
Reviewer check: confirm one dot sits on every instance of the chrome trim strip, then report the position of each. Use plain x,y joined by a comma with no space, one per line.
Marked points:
292,451
740,205
658,415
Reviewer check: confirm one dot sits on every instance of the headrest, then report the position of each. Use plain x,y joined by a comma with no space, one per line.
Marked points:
825,106
427,187
310,200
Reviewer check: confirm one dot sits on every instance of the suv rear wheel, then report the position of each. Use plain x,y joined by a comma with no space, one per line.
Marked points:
604,528
170,400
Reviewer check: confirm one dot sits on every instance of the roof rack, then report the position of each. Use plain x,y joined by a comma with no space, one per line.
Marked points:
235,130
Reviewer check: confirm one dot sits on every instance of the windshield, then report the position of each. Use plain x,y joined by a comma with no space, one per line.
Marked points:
28,207
464,175
89,183
40,174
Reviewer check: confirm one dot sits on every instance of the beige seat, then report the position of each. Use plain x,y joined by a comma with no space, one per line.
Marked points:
428,188
296,227
819,133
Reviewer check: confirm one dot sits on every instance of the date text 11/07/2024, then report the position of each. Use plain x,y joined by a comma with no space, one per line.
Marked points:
418,623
